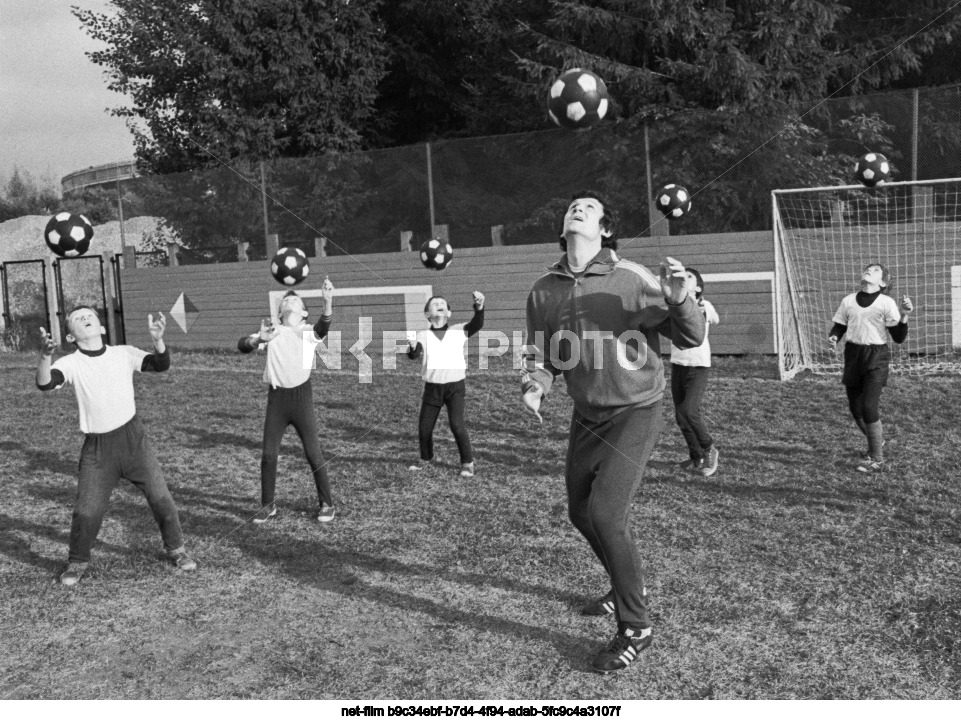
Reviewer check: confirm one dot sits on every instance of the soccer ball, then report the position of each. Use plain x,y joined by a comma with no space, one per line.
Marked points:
68,235
289,266
873,169
436,254
673,200
578,99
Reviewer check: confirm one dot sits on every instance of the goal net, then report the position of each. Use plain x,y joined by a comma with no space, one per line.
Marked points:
824,238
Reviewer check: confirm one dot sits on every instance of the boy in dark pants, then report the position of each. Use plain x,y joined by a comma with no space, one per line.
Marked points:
444,370
290,396
867,317
116,445
600,316
690,369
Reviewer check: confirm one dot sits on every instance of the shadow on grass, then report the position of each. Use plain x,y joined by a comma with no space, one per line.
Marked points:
316,564
322,563
41,459
17,549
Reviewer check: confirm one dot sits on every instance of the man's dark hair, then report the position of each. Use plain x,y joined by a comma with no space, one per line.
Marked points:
700,282
608,221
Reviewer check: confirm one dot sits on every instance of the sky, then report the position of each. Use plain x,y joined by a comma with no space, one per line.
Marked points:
53,99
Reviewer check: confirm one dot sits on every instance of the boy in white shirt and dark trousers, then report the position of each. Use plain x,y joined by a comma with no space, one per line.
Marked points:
116,445
444,370
867,317
290,395
690,369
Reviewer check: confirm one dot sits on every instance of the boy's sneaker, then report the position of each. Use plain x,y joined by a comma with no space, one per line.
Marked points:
871,466
708,466
73,574
266,513
600,606
467,470
621,651
421,465
181,560
326,514
690,465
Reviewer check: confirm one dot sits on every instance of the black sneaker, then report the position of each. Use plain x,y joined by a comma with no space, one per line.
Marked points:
621,651
600,606
265,513
73,574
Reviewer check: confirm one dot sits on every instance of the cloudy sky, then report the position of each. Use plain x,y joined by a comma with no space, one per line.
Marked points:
53,100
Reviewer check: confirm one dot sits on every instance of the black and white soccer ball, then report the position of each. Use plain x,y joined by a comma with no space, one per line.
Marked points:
68,234
873,169
289,266
673,200
578,99
436,254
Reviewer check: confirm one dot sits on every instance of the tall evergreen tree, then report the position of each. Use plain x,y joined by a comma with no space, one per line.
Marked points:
217,80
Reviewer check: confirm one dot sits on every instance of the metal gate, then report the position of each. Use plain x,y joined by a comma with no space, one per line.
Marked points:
80,281
25,305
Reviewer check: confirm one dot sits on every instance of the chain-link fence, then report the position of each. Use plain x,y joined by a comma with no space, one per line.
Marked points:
510,190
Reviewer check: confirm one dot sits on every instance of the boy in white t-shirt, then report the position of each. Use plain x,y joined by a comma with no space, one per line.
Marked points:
690,369
290,398
444,370
116,445
867,318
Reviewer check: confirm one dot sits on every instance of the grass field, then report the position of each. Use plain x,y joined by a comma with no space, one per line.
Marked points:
786,575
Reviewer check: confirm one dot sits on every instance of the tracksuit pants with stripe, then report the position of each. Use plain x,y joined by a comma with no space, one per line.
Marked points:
125,452
292,407
605,463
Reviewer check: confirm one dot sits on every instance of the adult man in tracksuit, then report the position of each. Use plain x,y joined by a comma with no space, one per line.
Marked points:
596,319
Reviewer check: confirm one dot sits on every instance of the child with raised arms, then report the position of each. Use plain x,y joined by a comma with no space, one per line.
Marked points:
444,370
867,318
690,370
290,395
115,444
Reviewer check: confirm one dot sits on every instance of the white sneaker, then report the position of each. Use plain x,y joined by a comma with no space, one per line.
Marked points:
467,470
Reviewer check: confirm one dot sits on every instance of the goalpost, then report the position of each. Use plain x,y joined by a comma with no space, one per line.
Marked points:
823,239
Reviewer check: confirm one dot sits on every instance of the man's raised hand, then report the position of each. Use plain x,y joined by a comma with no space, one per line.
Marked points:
673,281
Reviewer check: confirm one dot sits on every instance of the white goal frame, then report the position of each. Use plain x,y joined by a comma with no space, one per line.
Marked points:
824,237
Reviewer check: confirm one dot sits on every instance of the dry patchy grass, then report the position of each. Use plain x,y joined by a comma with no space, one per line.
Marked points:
786,575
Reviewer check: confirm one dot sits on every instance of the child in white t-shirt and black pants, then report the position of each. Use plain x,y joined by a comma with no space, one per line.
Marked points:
444,370
690,369
115,445
290,398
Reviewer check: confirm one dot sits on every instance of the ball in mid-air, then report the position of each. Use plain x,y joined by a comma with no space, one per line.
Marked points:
436,254
873,169
289,266
578,99
673,200
68,234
